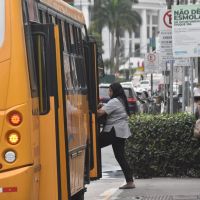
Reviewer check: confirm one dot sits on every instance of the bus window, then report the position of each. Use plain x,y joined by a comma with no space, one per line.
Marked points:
31,64
74,73
67,37
72,43
48,18
80,69
64,36
2,21
53,20
40,16
40,64
32,9
80,42
79,60
68,77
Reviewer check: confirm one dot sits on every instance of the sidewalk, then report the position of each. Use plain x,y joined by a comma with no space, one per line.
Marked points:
161,189
146,189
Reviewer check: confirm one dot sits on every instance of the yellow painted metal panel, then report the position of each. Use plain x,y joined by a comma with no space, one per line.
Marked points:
48,159
63,149
93,172
21,180
14,72
4,77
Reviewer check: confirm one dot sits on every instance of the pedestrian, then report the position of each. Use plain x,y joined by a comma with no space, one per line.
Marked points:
197,90
144,99
196,96
197,109
116,129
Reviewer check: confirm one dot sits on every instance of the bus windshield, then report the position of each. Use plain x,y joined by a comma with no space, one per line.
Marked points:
2,21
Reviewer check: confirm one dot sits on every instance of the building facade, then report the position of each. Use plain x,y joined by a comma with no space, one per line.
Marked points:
143,39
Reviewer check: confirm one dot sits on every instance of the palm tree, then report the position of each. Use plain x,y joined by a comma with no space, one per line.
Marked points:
117,15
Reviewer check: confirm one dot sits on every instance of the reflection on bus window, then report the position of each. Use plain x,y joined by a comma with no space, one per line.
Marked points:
68,80
74,73
72,39
40,64
2,21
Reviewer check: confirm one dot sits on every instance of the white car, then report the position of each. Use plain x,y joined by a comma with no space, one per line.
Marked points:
145,85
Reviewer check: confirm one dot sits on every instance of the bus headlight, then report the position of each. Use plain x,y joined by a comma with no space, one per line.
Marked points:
13,138
10,156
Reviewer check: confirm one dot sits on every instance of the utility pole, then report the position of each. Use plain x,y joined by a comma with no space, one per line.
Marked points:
169,3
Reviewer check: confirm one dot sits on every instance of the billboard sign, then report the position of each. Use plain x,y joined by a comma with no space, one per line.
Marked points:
186,30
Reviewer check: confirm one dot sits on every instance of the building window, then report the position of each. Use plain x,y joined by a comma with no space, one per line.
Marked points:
148,32
137,50
154,31
137,32
155,20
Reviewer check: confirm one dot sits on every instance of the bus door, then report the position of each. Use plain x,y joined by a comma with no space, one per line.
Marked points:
53,153
92,80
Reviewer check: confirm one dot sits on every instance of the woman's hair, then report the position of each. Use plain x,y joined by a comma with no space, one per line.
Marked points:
118,91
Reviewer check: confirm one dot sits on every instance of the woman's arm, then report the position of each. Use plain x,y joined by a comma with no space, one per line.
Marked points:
100,112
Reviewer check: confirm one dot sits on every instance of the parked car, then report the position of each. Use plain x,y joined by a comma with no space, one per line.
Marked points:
145,85
103,93
134,104
129,91
132,99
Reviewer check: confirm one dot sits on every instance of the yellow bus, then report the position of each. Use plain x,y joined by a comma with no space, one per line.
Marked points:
48,97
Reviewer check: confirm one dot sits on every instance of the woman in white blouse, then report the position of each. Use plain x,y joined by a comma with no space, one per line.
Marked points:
116,129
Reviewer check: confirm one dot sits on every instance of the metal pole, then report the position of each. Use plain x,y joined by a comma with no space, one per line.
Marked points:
183,90
171,87
151,84
192,89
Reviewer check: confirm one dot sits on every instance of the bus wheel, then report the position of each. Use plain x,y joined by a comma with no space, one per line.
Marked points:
79,196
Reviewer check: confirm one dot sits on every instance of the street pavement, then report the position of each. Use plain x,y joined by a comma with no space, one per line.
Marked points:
146,189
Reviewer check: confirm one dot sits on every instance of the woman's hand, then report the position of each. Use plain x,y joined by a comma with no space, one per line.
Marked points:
100,105
100,112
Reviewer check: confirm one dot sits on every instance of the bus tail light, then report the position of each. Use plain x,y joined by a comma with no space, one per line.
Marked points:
13,138
15,118
10,156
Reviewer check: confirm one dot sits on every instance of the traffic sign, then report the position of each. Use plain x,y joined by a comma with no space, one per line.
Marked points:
151,63
165,20
165,38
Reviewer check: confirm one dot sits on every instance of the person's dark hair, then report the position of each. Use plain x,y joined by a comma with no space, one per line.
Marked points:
118,91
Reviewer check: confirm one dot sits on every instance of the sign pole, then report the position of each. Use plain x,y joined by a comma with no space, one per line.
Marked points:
171,86
192,89
183,89
151,84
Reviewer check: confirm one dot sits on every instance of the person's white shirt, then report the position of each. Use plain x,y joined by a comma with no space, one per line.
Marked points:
117,118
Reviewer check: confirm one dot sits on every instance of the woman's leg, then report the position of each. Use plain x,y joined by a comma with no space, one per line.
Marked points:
118,148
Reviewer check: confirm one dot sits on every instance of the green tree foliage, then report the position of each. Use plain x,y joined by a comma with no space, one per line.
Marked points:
117,15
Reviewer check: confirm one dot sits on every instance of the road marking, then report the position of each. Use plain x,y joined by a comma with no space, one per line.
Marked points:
108,193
